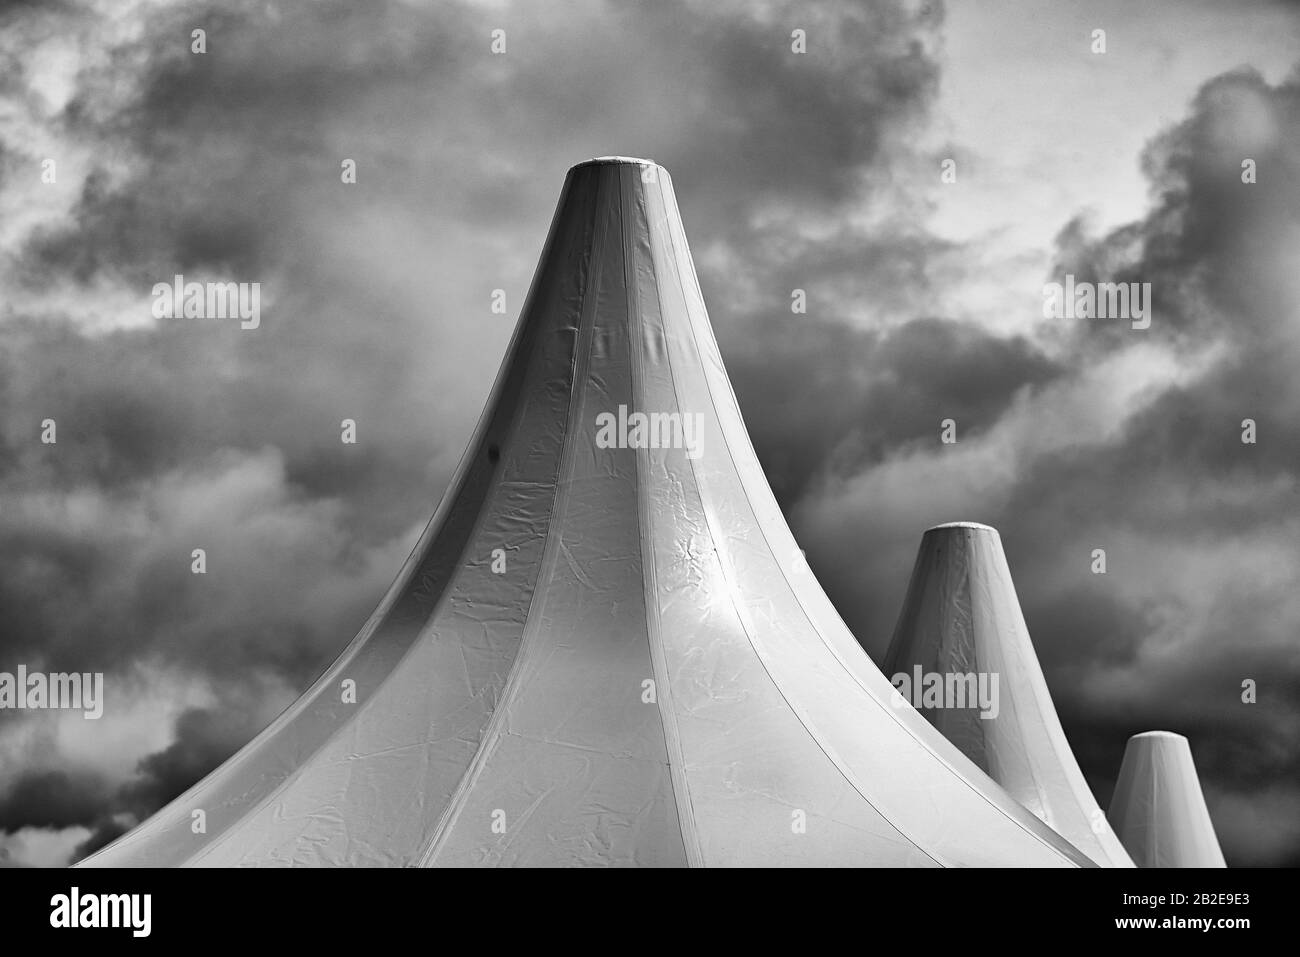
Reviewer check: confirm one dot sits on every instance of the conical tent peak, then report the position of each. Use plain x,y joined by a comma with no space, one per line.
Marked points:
1158,809
604,649
961,635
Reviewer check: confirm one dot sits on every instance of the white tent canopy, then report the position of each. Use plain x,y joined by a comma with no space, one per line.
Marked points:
605,648
961,617
1158,809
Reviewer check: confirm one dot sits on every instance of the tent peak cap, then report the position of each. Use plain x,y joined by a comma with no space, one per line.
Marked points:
1166,735
615,160
971,525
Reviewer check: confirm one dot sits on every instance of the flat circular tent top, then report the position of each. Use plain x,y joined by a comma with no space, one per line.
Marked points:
626,160
987,528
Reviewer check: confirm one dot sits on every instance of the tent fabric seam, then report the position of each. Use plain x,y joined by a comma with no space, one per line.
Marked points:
679,779
546,563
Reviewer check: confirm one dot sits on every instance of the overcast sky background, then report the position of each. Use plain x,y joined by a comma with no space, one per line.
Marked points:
817,171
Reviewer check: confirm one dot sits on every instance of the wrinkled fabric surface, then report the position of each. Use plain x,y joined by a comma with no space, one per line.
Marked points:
961,616
655,678
1158,809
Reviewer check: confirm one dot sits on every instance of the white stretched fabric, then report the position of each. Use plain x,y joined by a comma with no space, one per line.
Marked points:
654,679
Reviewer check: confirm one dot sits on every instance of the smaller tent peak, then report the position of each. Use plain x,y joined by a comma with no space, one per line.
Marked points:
1158,809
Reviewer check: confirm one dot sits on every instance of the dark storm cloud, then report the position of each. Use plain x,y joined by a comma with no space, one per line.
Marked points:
1087,626
864,395
51,799
231,140
204,738
56,799
15,7
795,128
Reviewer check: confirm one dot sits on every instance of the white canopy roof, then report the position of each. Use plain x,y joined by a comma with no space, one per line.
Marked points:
652,678
961,616
1158,809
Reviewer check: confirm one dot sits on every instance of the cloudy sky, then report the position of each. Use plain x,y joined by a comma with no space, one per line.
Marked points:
818,171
